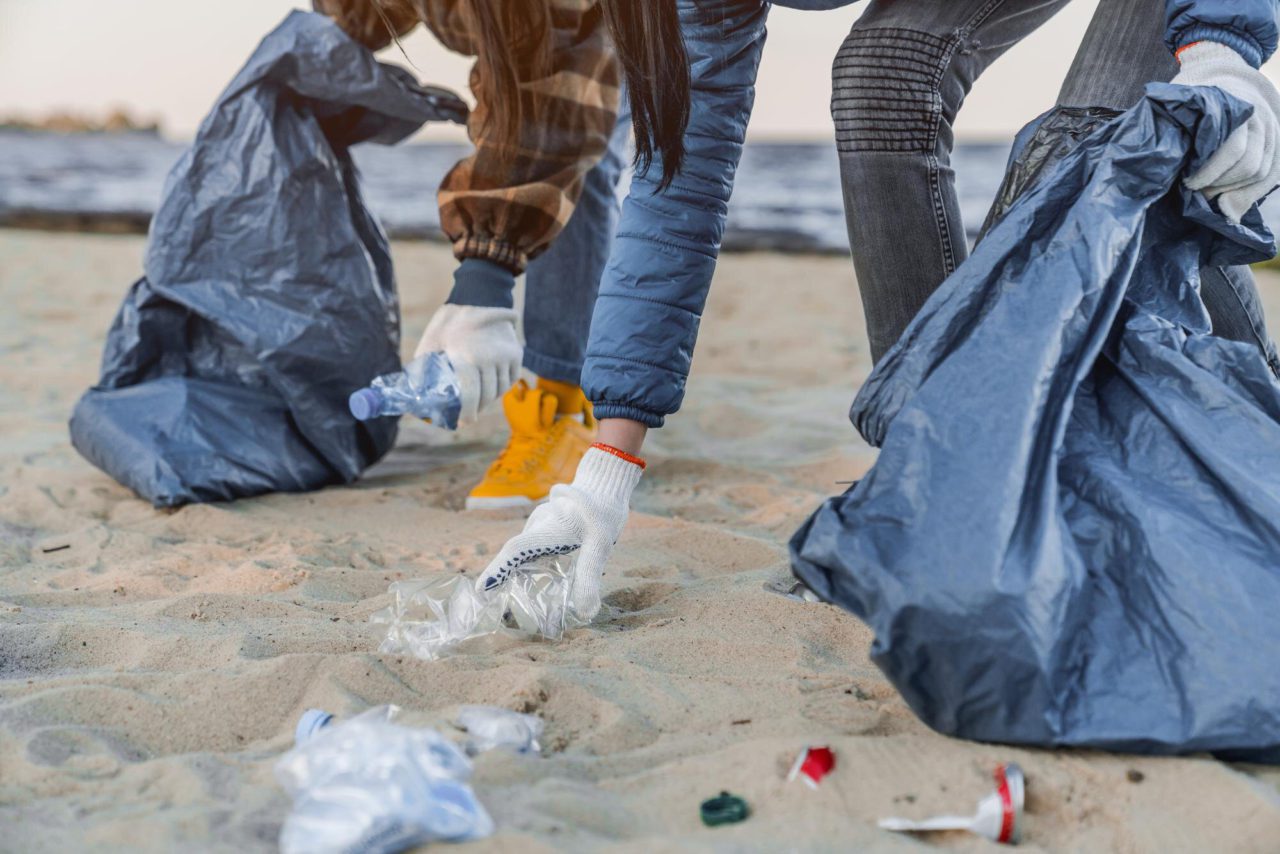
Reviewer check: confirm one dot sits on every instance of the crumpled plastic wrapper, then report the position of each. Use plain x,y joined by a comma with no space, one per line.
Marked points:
371,785
430,617
491,727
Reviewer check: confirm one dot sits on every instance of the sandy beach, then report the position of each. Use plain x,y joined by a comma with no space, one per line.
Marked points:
153,663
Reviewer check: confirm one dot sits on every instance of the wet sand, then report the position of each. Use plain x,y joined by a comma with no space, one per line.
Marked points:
153,663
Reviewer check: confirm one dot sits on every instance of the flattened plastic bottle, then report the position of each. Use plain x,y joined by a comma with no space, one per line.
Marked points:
427,388
430,617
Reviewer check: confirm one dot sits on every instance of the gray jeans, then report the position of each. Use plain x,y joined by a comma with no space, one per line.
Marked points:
899,81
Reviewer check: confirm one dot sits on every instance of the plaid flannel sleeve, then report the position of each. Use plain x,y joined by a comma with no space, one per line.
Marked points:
505,204
373,23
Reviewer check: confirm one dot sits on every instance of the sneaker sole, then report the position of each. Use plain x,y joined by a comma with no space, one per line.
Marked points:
504,503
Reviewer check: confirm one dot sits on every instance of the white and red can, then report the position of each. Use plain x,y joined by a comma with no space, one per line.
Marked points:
812,765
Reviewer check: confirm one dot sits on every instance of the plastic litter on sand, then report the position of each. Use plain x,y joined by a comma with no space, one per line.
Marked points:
430,617
812,765
724,808
489,727
427,388
998,817
370,785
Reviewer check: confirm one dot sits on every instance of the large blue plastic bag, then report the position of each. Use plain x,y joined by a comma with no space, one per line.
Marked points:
268,296
1071,535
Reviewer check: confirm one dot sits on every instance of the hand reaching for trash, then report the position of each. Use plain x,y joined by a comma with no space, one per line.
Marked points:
1246,167
586,516
482,346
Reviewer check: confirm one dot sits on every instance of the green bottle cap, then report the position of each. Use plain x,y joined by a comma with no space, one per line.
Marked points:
724,809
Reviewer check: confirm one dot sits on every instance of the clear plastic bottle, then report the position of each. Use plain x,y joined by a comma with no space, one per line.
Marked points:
429,617
370,785
427,388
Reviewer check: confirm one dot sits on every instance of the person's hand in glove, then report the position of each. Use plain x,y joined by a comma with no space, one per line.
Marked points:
476,329
586,516
1247,166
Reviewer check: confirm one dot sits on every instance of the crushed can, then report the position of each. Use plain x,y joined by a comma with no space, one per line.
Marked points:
998,817
812,765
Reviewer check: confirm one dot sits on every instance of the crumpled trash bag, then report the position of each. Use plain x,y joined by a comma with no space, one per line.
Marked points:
1072,533
268,296
1038,147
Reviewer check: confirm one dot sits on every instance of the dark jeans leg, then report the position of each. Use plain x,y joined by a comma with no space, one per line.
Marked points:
1235,308
1123,50
561,284
898,82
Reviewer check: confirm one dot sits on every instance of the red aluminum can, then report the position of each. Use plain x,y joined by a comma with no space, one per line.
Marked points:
812,765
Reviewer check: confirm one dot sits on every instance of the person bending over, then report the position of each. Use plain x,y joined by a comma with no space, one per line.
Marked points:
538,195
898,82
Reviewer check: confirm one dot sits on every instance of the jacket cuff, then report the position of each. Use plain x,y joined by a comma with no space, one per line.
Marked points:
1241,43
623,410
491,249
482,283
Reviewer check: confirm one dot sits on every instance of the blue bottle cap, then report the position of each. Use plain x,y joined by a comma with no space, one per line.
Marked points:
311,722
364,404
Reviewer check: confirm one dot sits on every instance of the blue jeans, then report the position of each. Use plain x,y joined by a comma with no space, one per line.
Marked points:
898,83
561,284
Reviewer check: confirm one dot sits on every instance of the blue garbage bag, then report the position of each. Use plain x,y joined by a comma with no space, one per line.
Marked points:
1071,535
268,294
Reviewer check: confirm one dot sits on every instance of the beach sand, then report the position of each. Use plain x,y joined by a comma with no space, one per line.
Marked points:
153,663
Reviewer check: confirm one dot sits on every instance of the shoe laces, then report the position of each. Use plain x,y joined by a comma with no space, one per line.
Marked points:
528,452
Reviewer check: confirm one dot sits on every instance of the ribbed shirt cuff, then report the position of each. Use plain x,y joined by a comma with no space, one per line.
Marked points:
482,283
493,250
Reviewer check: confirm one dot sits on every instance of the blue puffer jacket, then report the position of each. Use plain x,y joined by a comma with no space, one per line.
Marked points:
655,285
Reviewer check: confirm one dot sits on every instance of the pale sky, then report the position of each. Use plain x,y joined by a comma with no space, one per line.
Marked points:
170,59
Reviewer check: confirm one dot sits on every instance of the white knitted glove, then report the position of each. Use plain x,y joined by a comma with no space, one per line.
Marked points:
587,515
482,345
1247,166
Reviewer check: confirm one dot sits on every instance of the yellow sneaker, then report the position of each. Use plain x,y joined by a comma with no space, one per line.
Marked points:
551,428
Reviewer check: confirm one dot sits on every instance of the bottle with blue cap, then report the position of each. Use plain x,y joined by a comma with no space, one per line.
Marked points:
311,722
427,388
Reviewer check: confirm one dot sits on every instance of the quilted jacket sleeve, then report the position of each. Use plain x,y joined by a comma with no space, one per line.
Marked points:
1248,26
655,285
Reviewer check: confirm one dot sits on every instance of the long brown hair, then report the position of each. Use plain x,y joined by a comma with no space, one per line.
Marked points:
655,65
514,36
512,41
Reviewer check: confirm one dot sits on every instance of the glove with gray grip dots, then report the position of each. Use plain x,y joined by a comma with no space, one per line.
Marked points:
1246,167
586,516
482,346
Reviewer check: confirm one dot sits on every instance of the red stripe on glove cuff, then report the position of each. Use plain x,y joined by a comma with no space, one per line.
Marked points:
1177,54
622,455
